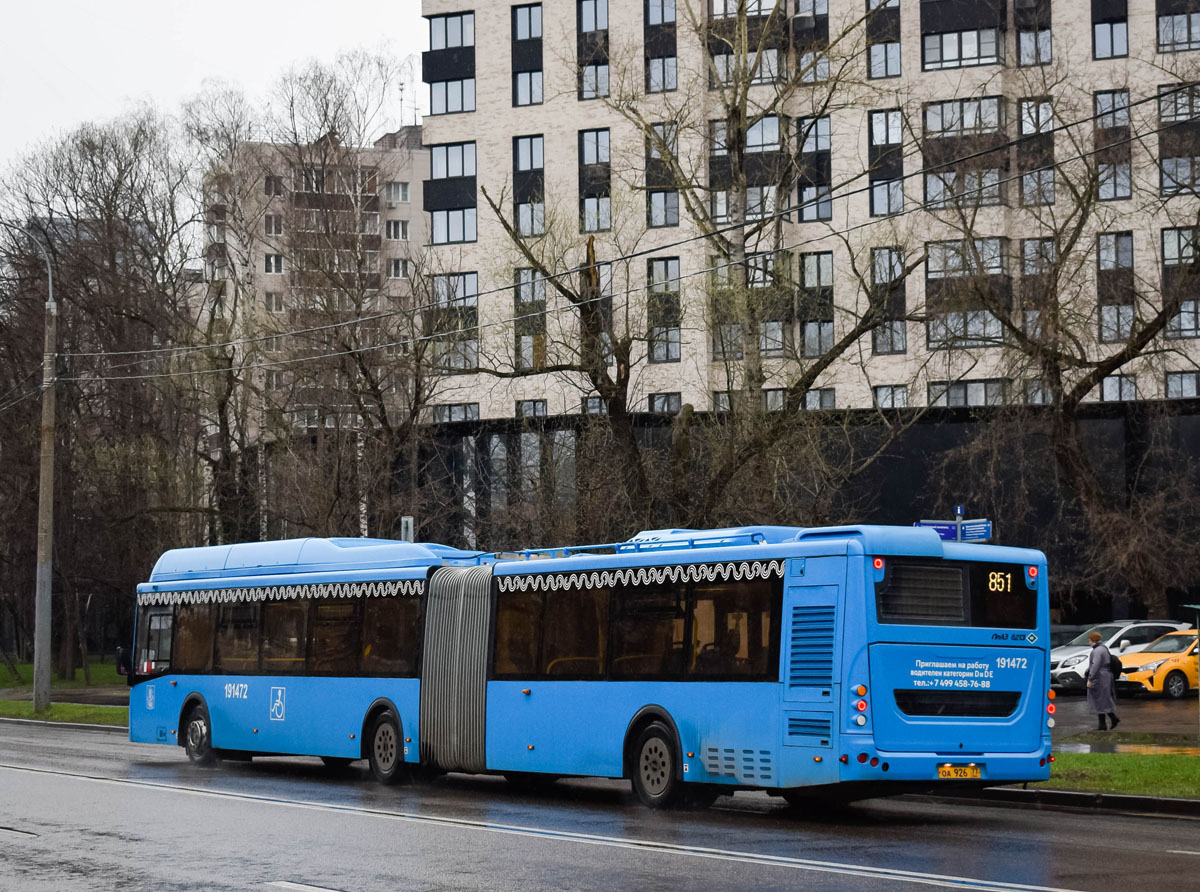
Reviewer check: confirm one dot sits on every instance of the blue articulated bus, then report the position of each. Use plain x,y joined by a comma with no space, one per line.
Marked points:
843,661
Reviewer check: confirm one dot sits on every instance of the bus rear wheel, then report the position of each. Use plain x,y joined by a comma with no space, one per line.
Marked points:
654,767
385,752
1175,685
197,736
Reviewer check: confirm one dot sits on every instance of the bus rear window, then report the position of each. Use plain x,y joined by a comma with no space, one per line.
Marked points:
955,593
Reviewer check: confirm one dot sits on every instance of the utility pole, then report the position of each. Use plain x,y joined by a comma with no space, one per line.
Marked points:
45,528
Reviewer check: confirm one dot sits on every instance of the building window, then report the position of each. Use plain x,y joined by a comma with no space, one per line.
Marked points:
774,399
1118,388
1034,47
816,270
884,60
760,202
988,392
1037,116
1178,32
274,301
274,263
396,192
595,146
771,338
665,137
890,396
396,230
597,213
594,405
449,412
886,128
450,31
887,197
593,81
593,15
1178,176
273,186
1183,385
727,9
527,22
453,160
763,135
397,268
1112,108
529,152
1110,40
531,218
1176,102
661,75
769,69
664,209
1115,180
889,337
814,67
1038,392
1185,323
273,224
665,403
820,398
964,117
983,256
451,97
1116,323
664,309
660,12
818,338
531,408
813,134
1038,256
1179,246
964,188
816,203
1114,250
961,49
527,88
718,143
451,227
1037,187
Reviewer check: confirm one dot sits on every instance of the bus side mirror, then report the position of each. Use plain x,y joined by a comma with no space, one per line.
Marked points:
122,661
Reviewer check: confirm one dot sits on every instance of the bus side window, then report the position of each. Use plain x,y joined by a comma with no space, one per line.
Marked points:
391,636
518,631
193,638
335,637
573,633
285,636
237,638
731,629
647,632
154,639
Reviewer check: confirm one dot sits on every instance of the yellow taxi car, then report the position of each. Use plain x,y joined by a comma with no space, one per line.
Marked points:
1168,665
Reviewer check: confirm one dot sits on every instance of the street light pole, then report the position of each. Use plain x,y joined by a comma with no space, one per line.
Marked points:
45,529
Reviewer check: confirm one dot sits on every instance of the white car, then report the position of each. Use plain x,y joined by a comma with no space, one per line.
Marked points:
1069,662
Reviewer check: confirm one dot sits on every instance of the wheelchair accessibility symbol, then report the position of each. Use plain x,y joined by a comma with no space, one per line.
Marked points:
277,698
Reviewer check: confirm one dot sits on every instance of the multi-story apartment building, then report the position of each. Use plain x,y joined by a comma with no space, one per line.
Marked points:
841,203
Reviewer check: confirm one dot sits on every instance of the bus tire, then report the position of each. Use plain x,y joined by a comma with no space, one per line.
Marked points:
1175,685
655,764
197,736
385,751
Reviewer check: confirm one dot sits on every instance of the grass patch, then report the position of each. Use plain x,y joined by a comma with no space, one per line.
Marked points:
1134,774
1146,738
66,712
103,673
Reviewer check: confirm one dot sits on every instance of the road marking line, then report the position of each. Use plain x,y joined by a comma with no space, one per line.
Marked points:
300,887
949,881
1181,852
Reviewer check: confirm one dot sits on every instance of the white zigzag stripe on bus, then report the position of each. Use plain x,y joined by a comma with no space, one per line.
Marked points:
744,570
382,589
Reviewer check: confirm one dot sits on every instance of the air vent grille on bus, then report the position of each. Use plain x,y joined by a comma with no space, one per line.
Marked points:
809,729
810,660
745,765
991,704
922,593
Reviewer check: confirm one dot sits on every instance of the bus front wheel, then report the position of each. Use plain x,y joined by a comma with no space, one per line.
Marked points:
654,767
197,736
385,752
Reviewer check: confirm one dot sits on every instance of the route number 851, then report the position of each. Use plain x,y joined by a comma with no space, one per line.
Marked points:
999,582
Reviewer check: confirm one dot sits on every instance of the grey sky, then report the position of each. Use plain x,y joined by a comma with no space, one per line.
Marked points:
63,62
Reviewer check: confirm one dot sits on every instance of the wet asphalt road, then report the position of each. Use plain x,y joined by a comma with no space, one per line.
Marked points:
83,809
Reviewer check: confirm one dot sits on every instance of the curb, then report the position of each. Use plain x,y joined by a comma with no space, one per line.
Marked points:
75,726
1112,803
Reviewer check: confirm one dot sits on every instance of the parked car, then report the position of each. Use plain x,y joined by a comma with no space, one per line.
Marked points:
1060,635
1170,665
1069,662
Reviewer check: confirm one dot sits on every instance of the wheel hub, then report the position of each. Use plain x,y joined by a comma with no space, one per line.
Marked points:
655,766
385,747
